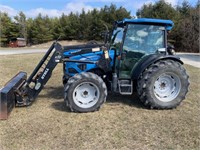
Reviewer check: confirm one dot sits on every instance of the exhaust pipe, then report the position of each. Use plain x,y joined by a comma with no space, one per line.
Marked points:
8,94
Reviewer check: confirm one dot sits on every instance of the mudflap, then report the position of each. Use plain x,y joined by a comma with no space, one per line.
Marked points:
8,94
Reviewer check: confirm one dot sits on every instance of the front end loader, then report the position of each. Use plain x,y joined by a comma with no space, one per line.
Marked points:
22,91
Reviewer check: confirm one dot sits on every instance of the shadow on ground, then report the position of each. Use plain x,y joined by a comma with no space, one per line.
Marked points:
131,100
56,93
53,92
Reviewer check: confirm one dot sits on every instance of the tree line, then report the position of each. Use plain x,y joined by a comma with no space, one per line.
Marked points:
78,26
90,25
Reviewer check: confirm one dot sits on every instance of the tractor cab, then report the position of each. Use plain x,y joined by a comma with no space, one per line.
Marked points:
136,39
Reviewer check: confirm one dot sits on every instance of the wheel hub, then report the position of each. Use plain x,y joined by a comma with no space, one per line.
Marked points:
86,94
167,87
163,85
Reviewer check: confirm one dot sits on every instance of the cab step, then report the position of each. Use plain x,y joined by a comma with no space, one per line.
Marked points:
125,86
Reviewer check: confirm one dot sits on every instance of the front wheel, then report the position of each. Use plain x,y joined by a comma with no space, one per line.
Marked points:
163,85
85,92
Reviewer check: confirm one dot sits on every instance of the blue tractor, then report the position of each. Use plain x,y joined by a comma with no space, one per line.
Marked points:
135,55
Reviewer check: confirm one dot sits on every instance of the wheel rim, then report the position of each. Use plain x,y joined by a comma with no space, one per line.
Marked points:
167,87
86,95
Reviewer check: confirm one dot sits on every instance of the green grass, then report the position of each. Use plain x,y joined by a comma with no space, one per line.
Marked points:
122,123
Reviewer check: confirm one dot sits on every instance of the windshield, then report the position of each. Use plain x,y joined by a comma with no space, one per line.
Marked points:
144,38
117,38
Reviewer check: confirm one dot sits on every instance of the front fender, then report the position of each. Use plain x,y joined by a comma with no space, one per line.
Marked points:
147,61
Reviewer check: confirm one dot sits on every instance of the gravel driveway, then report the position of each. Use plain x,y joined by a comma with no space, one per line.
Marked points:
190,58
21,51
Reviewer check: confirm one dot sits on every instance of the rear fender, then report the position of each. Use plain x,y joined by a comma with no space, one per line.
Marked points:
147,61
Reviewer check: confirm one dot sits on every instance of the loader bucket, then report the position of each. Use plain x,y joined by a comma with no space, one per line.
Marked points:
8,94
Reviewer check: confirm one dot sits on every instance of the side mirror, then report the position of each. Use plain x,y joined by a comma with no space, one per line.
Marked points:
162,50
170,49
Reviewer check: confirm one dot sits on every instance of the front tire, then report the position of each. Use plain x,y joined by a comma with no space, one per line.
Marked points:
85,92
163,85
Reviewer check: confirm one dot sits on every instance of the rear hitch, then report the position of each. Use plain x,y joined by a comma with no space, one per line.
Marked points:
9,94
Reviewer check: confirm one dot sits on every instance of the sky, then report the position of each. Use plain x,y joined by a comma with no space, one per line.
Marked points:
55,8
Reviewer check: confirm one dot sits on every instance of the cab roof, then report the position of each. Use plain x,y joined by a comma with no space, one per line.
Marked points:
167,23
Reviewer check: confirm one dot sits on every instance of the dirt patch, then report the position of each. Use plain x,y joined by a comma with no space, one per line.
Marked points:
122,123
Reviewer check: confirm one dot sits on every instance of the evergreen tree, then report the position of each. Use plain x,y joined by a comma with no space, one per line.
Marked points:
95,26
41,29
29,25
84,20
56,29
73,26
189,27
21,23
8,29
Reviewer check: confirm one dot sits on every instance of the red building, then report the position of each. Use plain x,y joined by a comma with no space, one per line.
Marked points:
17,42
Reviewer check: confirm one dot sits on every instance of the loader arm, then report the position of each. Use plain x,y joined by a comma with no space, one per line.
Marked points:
41,74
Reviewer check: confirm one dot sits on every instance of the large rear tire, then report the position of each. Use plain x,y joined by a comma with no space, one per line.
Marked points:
163,85
85,92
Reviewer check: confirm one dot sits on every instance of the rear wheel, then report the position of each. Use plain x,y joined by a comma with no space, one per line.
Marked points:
163,85
85,92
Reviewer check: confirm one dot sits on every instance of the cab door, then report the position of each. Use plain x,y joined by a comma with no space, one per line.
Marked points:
140,40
